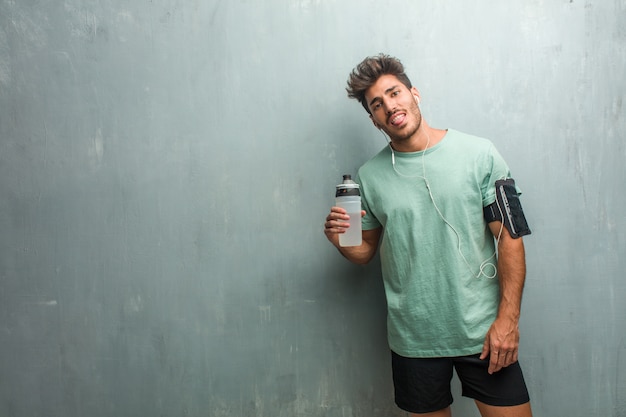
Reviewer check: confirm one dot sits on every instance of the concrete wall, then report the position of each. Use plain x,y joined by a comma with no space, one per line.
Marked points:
166,166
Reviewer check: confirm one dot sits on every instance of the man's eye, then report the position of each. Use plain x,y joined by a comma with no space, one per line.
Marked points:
395,93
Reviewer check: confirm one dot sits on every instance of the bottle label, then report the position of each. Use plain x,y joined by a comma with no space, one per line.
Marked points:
347,191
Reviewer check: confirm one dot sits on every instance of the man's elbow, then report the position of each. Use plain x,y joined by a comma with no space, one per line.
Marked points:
359,257
364,260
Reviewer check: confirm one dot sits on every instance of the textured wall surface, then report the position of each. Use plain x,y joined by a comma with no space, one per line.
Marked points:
166,166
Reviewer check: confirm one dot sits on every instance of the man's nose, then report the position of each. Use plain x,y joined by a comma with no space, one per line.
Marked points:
390,106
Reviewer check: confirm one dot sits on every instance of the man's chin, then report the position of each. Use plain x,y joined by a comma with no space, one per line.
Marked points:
401,136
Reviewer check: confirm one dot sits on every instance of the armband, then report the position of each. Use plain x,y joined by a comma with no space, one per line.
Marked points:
508,209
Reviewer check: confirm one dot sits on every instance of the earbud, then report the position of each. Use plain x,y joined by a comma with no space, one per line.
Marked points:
417,99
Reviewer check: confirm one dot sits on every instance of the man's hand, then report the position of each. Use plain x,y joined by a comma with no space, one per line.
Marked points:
501,344
337,223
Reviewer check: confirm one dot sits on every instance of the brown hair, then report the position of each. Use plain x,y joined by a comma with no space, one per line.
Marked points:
367,73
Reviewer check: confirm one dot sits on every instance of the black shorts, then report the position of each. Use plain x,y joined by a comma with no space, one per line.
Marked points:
422,385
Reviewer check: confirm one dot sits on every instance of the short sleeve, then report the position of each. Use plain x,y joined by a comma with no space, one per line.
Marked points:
369,221
496,169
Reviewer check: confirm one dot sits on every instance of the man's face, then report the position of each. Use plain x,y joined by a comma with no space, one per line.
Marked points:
393,108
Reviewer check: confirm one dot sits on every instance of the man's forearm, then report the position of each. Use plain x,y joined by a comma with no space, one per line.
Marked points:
502,339
364,253
512,274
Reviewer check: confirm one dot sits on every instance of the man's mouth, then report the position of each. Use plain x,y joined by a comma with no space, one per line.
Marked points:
397,119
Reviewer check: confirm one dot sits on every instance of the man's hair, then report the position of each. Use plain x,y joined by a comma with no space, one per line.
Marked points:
369,71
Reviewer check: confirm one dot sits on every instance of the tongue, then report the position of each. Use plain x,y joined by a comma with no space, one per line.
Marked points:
397,120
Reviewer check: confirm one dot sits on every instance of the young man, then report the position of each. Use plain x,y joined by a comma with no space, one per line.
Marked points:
452,302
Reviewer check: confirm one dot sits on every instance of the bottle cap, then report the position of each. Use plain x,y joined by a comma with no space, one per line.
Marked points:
347,187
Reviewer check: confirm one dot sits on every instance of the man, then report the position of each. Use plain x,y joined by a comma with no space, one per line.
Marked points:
452,302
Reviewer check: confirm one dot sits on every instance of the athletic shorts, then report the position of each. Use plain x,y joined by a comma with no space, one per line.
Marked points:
422,385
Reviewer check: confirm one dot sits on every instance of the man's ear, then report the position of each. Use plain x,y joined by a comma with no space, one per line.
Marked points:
415,92
373,121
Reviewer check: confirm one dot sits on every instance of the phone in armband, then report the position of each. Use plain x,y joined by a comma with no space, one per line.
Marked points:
508,209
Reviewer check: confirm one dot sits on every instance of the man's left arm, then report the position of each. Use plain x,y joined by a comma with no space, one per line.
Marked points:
502,340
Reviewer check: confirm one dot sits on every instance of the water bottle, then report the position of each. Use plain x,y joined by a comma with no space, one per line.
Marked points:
348,197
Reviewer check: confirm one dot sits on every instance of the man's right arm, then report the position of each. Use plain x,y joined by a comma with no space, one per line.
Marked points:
337,223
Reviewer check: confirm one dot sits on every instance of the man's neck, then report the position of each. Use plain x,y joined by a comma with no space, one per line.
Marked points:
426,137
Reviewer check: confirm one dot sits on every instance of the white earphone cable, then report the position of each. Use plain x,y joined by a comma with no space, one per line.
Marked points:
486,263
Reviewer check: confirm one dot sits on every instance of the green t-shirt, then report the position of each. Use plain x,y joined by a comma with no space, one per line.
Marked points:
433,248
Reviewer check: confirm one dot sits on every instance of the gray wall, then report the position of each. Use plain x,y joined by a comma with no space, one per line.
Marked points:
166,166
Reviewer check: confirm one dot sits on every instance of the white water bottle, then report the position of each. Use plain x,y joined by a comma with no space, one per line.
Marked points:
348,197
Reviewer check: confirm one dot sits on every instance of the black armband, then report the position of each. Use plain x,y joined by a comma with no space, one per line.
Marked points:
508,209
